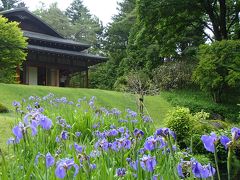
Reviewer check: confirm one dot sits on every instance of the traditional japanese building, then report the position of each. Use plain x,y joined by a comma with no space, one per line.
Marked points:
51,59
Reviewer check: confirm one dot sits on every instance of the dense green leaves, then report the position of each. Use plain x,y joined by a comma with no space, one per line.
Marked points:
218,70
77,23
8,4
56,18
12,45
115,43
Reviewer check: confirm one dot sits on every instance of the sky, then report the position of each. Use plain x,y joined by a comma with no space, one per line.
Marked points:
103,9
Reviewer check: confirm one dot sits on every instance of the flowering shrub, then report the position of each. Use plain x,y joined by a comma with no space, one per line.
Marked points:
58,138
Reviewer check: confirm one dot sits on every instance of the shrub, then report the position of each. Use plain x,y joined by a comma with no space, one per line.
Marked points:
12,53
198,101
173,75
218,69
3,109
121,83
181,121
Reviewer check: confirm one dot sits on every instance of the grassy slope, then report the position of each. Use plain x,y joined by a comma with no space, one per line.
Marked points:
156,105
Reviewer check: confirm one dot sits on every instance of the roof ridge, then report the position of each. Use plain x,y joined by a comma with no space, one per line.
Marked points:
24,9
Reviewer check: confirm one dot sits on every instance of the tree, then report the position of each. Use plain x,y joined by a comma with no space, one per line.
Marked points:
56,18
218,70
115,43
12,49
86,28
217,17
8,4
178,27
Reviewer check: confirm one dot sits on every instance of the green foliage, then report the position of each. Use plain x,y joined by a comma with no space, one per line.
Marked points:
12,53
86,27
120,84
181,121
143,52
218,69
3,109
177,32
56,18
103,76
173,75
8,4
115,44
197,101
190,127
76,23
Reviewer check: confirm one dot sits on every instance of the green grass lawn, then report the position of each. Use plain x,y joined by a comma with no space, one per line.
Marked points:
156,106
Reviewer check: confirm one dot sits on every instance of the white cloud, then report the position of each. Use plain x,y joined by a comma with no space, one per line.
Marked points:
103,9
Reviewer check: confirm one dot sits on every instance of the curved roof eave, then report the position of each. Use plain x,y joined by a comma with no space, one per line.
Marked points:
57,34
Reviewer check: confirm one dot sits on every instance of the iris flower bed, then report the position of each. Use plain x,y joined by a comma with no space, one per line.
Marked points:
55,138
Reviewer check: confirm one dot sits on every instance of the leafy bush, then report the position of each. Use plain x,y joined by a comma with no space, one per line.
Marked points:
120,84
173,75
12,53
3,109
218,69
197,101
181,121
190,127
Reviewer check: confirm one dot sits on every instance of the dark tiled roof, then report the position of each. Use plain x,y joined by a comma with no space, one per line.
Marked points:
65,52
44,37
25,11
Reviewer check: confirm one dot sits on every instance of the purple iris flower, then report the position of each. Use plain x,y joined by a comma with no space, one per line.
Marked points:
16,104
224,141
113,132
235,133
78,134
148,163
180,169
142,150
123,121
150,143
121,172
13,141
49,160
34,130
18,131
164,132
36,158
63,166
138,133
147,119
103,144
134,165
131,113
122,143
93,166
64,135
209,142
95,153
121,130
78,148
57,139
200,171
45,122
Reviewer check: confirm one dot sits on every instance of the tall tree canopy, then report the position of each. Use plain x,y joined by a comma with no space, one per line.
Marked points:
115,44
56,18
8,4
76,23
87,27
217,19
